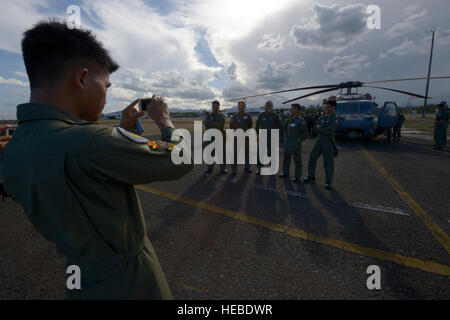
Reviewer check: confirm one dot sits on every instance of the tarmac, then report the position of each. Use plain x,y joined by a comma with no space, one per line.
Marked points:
223,237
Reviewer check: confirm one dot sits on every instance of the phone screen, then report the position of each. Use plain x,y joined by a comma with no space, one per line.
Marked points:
143,104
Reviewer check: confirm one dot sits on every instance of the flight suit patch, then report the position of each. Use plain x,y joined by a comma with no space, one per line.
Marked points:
131,136
160,145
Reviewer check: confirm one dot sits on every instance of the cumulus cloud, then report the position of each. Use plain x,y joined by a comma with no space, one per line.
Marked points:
405,48
231,71
274,76
235,89
21,74
411,9
407,25
332,27
442,37
170,84
16,17
346,65
13,81
272,42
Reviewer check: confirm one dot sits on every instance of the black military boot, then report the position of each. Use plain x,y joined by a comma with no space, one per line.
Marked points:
309,179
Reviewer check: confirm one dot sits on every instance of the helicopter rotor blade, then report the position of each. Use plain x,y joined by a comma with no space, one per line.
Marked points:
406,79
281,91
399,91
311,94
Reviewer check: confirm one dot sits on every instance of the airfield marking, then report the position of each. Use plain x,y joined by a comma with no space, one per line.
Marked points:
359,205
428,266
437,232
379,208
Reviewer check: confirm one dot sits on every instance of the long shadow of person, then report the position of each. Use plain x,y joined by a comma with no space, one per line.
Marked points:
354,230
175,212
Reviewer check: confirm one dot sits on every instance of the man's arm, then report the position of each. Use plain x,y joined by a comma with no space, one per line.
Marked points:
116,155
328,130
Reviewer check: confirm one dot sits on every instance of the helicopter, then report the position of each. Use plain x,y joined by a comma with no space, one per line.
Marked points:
357,113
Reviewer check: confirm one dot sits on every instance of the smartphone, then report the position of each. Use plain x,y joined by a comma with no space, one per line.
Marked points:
143,103
10,131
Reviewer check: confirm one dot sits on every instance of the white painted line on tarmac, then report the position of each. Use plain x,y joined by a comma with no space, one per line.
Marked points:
359,205
379,208
289,192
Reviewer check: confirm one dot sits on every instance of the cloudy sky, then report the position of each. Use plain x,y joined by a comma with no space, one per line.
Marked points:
193,52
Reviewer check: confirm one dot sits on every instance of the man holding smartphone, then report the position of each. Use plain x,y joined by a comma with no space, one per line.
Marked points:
75,178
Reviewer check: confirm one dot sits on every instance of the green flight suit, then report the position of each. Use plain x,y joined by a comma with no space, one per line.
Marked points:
269,122
441,122
296,131
216,120
244,122
326,145
75,181
398,127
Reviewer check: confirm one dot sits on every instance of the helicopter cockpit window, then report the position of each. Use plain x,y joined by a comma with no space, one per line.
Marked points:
390,110
348,107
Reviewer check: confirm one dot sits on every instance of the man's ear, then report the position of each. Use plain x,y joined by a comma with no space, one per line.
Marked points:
80,77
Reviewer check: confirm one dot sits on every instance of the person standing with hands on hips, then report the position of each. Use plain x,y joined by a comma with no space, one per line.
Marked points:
75,178
325,144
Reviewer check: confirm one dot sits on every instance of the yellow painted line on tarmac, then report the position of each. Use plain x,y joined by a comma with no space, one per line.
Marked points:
428,266
437,232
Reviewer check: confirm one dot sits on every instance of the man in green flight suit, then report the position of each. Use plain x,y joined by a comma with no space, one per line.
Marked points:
325,126
440,123
241,120
295,131
268,120
75,178
216,120
397,132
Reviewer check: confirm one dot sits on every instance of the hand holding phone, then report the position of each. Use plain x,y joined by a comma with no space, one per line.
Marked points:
143,104
130,115
159,112
5,135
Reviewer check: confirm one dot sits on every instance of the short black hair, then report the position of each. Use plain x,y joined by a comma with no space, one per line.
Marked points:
296,106
332,103
50,47
215,101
